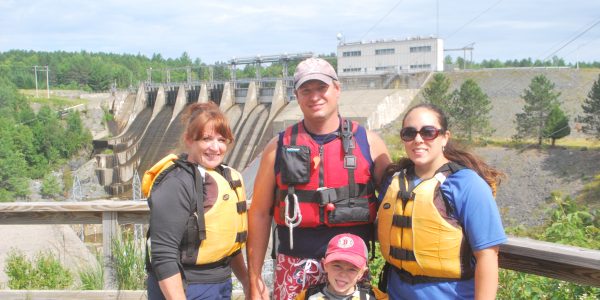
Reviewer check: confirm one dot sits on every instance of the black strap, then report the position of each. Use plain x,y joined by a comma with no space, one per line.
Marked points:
241,237
314,289
342,193
242,207
199,181
222,262
294,135
402,221
383,277
415,279
402,254
349,158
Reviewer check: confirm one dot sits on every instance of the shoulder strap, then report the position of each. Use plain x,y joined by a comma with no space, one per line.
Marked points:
441,174
366,291
199,185
314,289
349,158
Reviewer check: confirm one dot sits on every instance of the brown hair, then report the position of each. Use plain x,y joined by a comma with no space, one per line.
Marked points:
197,116
452,152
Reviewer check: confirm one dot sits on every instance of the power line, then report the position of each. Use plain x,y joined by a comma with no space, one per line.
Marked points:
473,19
377,23
572,40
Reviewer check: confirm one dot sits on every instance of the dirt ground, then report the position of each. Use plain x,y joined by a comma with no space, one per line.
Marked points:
533,174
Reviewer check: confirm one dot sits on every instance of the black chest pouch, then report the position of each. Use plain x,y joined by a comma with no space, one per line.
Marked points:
295,164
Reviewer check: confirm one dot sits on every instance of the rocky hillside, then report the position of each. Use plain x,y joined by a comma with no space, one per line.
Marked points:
532,174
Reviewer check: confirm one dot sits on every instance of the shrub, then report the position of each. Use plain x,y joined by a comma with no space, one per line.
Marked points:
45,273
50,186
570,224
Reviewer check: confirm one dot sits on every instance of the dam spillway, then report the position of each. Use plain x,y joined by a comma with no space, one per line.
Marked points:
150,121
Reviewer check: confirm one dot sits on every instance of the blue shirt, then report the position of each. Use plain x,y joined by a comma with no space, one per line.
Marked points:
476,210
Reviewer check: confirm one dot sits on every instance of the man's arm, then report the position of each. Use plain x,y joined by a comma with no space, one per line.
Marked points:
380,155
259,220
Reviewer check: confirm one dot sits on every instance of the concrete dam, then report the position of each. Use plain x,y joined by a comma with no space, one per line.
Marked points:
147,124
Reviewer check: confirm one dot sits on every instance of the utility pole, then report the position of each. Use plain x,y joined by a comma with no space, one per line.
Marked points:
37,95
35,70
47,83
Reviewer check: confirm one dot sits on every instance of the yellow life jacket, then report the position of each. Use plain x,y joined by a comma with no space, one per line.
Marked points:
417,234
226,222
211,237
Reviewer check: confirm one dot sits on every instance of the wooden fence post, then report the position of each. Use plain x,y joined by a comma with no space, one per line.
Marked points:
110,231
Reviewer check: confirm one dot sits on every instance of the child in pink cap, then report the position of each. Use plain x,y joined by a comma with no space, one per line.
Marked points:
345,263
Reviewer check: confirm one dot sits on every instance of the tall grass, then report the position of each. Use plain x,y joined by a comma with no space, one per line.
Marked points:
92,277
129,262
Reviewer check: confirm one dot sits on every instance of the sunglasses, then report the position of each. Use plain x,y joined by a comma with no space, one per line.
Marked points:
427,133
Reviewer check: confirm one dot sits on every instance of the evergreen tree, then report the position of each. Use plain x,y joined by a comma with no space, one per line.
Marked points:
436,91
557,125
470,108
591,111
540,99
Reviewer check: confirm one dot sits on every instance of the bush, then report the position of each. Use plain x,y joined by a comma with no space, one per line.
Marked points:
570,224
45,273
50,186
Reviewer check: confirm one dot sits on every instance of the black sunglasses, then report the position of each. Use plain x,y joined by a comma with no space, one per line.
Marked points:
427,133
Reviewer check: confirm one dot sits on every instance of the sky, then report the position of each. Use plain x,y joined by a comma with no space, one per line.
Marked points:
219,30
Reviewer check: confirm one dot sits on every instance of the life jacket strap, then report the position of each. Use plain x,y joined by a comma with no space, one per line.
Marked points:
402,221
241,237
319,196
242,207
402,254
415,279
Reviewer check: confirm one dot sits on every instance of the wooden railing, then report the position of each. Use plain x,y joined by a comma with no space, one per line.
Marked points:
562,262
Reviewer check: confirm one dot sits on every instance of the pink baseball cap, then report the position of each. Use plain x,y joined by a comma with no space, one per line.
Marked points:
347,247
314,69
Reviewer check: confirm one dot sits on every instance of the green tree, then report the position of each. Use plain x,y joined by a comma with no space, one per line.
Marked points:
557,125
50,186
448,60
436,91
591,111
470,108
540,99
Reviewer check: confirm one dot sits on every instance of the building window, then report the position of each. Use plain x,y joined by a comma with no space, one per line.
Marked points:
385,68
423,66
420,49
385,51
351,53
351,70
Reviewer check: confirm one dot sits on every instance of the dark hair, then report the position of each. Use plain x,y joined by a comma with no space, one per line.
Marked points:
452,152
197,116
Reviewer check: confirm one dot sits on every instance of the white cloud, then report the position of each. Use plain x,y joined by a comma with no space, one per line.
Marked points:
219,30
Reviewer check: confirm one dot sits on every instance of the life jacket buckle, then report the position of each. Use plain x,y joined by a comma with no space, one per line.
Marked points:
349,161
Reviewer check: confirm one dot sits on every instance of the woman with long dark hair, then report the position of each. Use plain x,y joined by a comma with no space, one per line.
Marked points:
438,224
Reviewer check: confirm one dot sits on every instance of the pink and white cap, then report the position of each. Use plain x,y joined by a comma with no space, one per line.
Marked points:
347,247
